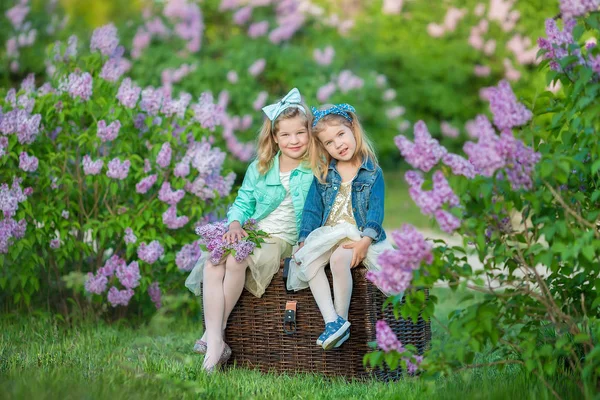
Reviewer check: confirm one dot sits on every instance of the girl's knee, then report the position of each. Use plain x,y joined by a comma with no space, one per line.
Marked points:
341,258
232,264
214,269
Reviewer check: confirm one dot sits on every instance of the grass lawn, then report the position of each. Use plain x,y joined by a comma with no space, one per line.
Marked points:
42,360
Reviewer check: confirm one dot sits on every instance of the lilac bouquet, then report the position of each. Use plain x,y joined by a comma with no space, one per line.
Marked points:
212,239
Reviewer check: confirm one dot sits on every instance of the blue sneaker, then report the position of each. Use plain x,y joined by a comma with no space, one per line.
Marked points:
342,339
334,331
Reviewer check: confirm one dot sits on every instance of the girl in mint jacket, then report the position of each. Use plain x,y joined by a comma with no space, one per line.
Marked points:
273,192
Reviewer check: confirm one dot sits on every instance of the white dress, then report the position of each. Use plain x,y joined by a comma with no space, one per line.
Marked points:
340,228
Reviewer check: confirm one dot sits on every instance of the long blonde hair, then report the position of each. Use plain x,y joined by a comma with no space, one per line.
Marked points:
320,158
267,148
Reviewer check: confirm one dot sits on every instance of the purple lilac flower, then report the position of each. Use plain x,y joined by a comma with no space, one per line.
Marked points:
151,100
96,284
80,85
326,91
71,51
10,197
425,152
447,222
17,14
242,15
111,265
65,214
55,243
261,100
188,255
443,191
575,8
9,230
128,93
118,297
412,248
140,122
155,295
110,132
448,130
146,183
114,68
169,196
92,167
411,367
432,200
129,276
130,236
164,155
28,163
151,252
28,84
172,221
556,45
117,169
20,121
105,39
257,67
176,107
147,166
387,339
232,77
208,114
258,29
595,64
508,113
45,89
324,57
242,248
459,165
182,169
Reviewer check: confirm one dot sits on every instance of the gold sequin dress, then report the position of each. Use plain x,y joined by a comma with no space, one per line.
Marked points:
339,228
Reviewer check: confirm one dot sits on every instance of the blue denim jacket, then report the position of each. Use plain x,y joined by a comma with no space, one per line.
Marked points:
368,192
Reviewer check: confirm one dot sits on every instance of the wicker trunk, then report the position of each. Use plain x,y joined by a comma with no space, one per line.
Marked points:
256,337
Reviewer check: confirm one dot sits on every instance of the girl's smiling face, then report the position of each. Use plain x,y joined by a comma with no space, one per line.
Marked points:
339,141
292,137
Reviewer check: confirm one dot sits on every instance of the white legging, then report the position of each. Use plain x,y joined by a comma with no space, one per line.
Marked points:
339,261
222,286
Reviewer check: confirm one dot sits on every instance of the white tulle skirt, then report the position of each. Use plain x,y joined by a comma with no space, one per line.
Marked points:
319,246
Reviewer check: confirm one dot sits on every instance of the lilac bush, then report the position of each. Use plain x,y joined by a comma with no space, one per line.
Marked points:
93,165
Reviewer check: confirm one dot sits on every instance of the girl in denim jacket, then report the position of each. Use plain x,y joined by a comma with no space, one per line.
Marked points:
342,217
273,193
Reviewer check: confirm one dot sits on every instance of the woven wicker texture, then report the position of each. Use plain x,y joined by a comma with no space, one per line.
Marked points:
256,337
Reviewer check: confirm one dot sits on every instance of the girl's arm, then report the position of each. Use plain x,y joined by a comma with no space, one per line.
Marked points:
313,212
373,227
245,203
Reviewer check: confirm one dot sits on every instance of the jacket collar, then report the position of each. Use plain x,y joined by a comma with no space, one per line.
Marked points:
272,175
367,164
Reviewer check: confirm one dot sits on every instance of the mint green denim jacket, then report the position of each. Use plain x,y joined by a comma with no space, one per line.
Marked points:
260,194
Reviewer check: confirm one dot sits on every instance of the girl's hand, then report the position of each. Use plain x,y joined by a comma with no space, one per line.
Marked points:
360,249
294,255
235,233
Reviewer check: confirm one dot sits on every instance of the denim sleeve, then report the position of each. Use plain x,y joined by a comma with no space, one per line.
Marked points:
313,212
245,203
374,221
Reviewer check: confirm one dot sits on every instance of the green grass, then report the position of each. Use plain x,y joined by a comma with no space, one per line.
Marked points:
399,207
40,359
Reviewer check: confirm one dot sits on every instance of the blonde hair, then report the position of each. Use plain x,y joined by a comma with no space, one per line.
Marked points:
267,148
320,158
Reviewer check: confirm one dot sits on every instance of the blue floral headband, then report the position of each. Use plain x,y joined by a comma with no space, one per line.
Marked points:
338,109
